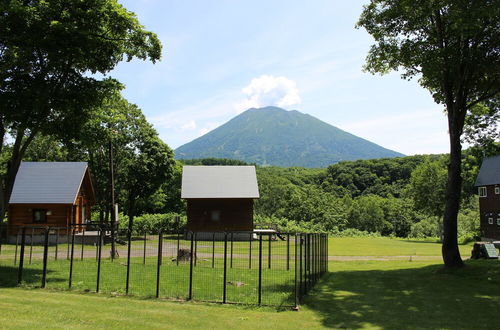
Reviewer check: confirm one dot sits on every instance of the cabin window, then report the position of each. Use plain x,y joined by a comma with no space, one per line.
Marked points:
497,190
215,215
39,215
490,221
482,191
498,221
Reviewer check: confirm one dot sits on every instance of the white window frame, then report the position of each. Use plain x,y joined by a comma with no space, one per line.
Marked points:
482,192
498,221
497,190
490,221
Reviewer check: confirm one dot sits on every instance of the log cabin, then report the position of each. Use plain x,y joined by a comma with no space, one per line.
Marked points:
488,183
54,194
219,198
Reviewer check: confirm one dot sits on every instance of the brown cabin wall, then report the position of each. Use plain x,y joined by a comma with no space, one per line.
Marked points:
234,214
62,214
489,207
22,215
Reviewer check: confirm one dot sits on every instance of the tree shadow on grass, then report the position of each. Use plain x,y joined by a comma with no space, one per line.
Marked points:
31,276
426,297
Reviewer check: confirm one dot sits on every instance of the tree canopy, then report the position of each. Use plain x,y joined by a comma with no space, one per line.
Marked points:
50,53
453,47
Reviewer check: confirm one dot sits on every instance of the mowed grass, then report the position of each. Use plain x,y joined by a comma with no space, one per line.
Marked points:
386,246
355,294
207,285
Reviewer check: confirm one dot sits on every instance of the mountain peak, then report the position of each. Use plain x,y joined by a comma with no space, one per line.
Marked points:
274,136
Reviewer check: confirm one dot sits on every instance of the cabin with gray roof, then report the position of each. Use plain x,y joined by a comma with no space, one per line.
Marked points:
54,194
219,198
488,183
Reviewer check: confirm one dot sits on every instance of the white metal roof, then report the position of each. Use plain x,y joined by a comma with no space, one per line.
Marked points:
48,182
219,182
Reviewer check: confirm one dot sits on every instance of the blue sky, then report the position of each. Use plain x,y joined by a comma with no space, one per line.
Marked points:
221,57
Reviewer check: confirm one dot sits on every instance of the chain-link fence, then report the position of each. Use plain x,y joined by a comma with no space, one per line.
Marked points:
261,267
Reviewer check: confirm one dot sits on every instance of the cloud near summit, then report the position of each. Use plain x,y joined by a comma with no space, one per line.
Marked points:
268,90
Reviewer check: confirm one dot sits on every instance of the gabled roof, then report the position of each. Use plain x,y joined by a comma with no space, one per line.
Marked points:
48,182
490,172
219,182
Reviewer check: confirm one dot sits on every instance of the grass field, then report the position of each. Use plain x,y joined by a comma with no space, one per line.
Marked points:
394,294
367,294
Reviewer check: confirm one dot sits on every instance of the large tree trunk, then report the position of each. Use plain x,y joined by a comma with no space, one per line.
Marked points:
18,150
451,254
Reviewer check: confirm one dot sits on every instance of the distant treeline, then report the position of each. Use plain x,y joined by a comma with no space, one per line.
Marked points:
401,197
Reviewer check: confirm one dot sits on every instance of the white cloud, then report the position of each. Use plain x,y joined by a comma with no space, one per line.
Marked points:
268,90
189,126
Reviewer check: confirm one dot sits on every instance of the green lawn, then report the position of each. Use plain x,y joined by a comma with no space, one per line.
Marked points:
356,294
385,246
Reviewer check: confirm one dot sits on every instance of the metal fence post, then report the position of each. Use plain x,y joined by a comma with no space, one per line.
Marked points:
129,247
296,274
231,250
21,257
178,246
71,258
301,239
195,247
287,251
213,250
190,296
17,243
224,292
83,242
31,243
250,252
57,243
158,265
269,254
45,257
144,249
260,270
99,255
326,253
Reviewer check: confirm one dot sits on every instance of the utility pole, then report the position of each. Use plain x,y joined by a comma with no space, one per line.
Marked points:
112,188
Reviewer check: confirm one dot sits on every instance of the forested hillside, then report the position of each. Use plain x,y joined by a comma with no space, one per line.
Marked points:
277,137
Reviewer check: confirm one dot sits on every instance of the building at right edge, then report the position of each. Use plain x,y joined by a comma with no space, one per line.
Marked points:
488,183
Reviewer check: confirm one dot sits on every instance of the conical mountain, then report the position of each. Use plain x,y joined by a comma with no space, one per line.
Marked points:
274,136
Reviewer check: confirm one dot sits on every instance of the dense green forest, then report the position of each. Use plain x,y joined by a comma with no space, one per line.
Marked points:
401,197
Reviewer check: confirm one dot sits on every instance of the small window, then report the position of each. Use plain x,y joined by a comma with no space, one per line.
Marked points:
39,216
482,191
490,221
498,221
215,215
497,190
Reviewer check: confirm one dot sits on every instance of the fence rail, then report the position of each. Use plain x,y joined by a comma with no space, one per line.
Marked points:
261,268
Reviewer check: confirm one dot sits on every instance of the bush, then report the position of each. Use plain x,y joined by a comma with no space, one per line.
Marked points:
427,227
153,223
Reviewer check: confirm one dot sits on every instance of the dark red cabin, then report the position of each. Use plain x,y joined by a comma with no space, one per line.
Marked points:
219,198
488,183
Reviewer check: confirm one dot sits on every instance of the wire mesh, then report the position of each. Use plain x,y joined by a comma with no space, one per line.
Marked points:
264,268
